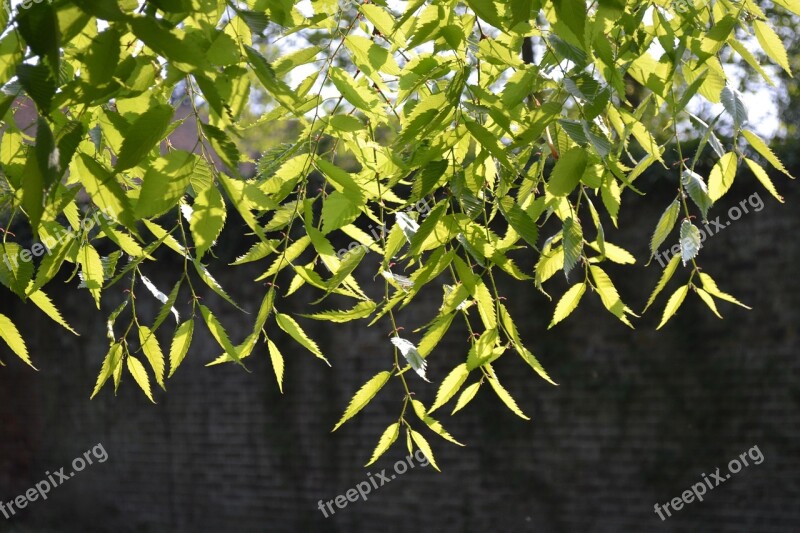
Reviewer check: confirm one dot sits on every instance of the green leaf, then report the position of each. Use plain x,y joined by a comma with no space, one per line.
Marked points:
219,333
487,10
698,192
223,145
208,219
669,270
15,273
433,424
690,241
450,386
361,310
734,105
153,352
44,303
771,44
277,362
609,295
567,304
180,345
506,398
91,271
708,300
466,396
764,178
105,191
136,369
10,334
290,326
673,304
573,244
102,57
423,445
765,151
664,227
111,362
711,287
145,132
364,395
567,172
721,177
519,220
388,438
164,183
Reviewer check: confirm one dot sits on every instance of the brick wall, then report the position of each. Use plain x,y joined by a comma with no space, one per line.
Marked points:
637,418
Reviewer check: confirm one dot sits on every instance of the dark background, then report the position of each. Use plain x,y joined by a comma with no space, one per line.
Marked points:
638,417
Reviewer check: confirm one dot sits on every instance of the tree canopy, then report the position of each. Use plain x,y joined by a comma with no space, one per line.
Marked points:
454,140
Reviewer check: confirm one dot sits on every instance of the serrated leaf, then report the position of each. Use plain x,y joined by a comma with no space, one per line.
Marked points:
710,287
44,303
567,304
180,345
771,44
91,270
466,396
153,352
734,105
388,438
673,304
110,363
708,300
145,132
609,295
669,270
506,398
519,220
567,172
10,334
277,362
423,445
136,369
765,151
290,326
450,386
364,395
573,244
208,219
764,178
361,310
698,192
690,241
433,424
722,176
219,333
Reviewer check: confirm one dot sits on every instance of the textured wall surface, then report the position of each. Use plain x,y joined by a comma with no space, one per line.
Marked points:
638,417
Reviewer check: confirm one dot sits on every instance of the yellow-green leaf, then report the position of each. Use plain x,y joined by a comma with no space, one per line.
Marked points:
423,445
290,326
364,395
136,369
10,334
466,396
180,345
450,386
673,304
277,362
385,442
208,218
721,177
567,304
153,352
762,176
771,44
110,364
506,398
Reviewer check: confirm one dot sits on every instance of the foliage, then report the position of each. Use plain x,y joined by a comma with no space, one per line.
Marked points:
432,106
